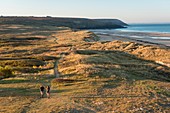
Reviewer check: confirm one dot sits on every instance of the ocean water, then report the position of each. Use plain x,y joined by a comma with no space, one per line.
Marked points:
151,31
153,28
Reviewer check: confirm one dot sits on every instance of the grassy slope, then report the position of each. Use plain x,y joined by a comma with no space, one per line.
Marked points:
74,23
111,76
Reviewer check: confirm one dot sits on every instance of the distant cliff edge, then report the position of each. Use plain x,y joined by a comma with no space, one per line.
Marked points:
112,21
74,23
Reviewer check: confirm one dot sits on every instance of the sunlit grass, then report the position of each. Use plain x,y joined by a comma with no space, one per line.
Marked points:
94,76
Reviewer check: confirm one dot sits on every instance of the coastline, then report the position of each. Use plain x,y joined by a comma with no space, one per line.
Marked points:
157,39
156,45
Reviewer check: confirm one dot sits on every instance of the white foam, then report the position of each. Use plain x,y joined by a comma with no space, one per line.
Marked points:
165,38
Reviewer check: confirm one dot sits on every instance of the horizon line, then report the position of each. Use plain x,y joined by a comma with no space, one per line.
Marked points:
49,16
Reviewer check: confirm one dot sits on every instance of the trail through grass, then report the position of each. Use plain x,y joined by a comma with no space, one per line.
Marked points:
106,76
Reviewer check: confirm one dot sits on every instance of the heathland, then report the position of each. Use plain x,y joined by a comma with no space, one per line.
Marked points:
94,75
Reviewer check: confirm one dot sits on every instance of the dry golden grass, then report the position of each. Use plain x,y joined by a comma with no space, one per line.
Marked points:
110,76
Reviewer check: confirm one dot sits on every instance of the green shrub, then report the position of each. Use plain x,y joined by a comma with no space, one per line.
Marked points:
6,72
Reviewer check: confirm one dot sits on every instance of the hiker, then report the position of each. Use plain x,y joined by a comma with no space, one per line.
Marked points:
42,91
48,91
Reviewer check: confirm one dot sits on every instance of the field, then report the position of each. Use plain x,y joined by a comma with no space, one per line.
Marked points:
94,76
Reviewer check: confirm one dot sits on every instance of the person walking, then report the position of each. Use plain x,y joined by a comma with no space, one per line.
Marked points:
42,91
48,91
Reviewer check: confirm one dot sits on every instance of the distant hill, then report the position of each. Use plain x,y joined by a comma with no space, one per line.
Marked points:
74,23
112,21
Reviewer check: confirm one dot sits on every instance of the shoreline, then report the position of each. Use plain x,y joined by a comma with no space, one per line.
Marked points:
138,37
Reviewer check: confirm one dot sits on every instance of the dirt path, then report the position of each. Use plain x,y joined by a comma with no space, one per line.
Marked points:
44,105
56,73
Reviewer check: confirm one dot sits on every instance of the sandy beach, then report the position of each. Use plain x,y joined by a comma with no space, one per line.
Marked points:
159,39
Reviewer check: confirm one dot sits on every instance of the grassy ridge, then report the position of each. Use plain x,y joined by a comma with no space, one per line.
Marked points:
74,23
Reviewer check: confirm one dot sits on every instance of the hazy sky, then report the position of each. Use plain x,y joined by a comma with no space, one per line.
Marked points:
130,11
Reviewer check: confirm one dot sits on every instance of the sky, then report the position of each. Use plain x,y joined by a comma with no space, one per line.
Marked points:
130,11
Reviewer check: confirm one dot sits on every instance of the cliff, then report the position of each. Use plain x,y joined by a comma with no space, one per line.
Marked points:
112,21
74,23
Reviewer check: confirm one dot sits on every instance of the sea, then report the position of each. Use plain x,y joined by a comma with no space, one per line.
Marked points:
154,31
154,28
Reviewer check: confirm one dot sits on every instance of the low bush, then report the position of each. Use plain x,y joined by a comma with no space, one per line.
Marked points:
22,62
6,72
45,58
62,81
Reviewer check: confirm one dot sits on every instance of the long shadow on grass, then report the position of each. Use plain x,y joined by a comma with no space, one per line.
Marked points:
14,92
111,96
107,63
13,81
